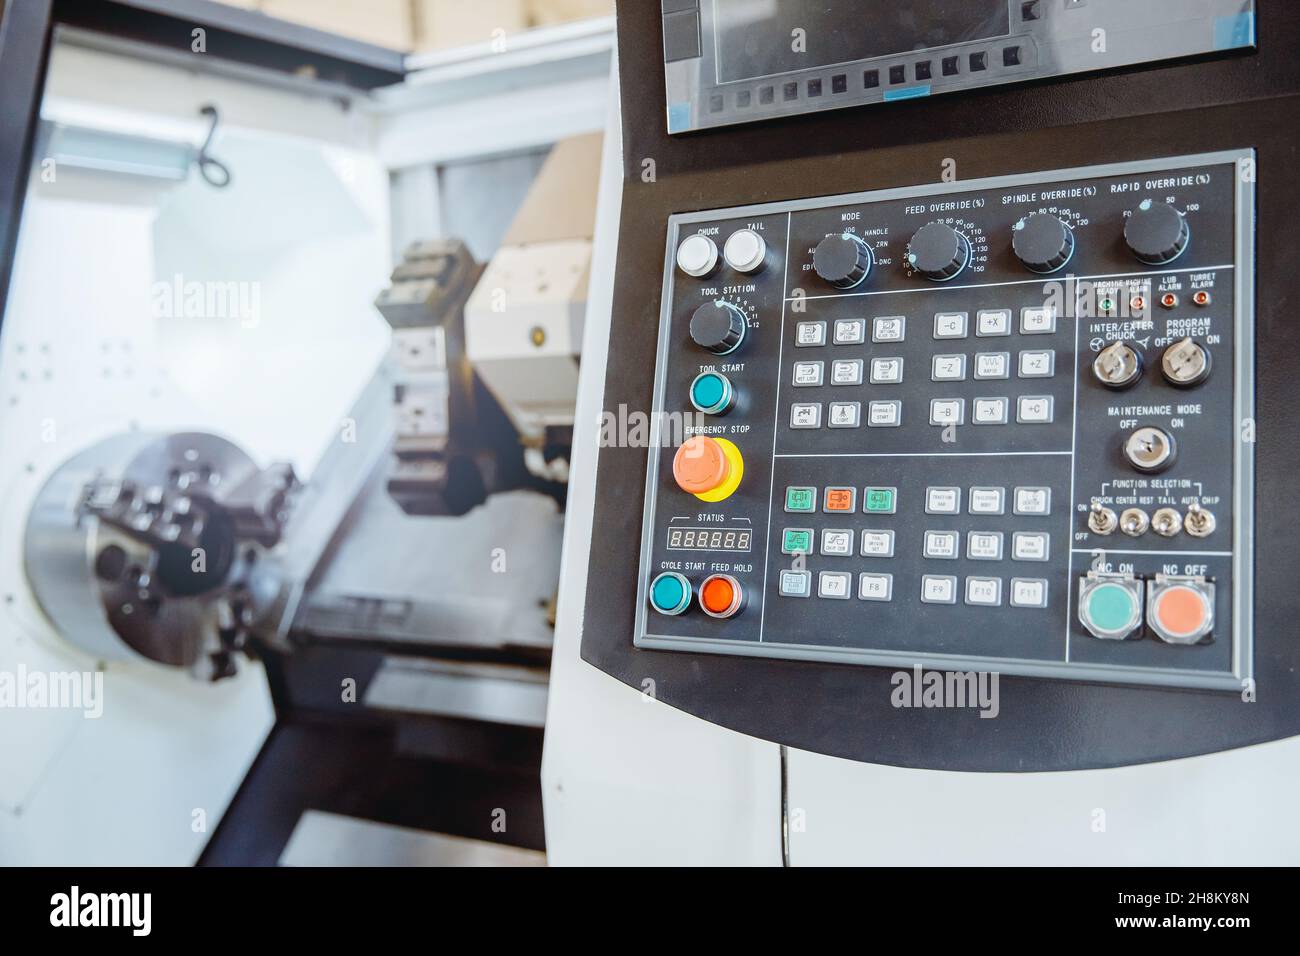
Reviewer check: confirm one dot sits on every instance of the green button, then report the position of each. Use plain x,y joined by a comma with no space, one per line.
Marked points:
711,393
670,593
1112,608
800,499
879,501
796,541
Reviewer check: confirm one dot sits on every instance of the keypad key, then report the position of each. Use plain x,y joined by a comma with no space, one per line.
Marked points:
950,325
880,501
1032,501
806,415
941,545
846,372
834,584
808,374
795,584
989,411
984,592
875,587
984,545
1030,545
885,414
796,541
809,334
1037,320
1028,592
799,498
942,501
839,500
987,501
947,411
1034,409
850,331
990,322
837,543
1039,363
888,328
878,544
844,415
886,371
938,589
992,365
948,368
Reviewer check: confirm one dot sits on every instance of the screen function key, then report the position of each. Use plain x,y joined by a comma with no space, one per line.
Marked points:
875,587
1032,501
1028,592
834,584
987,501
878,544
942,501
984,592
938,589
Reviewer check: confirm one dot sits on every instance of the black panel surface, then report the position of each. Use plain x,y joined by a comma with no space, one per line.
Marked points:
845,710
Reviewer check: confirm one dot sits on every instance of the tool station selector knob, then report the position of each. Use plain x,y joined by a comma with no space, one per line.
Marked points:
844,261
1157,233
718,326
1042,242
938,251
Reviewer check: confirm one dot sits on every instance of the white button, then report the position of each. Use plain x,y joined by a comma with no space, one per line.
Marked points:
878,544
1038,364
850,331
986,592
947,411
942,501
940,544
795,584
839,543
886,371
948,368
992,364
875,587
888,328
1034,409
745,250
1030,546
884,414
989,411
950,325
810,333
993,322
1028,592
938,589
808,373
1037,320
845,415
846,372
834,584
1033,501
697,256
984,545
806,415
987,501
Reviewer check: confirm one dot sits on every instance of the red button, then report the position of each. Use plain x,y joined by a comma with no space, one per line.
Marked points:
720,595
700,465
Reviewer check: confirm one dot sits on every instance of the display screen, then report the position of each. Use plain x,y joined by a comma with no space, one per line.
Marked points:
757,38
709,539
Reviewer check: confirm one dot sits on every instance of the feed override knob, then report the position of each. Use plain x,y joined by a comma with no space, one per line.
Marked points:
938,251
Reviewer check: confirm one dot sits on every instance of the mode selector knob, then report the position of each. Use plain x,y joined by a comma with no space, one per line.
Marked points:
1042,242
718,326
1157,232
844,260
938,251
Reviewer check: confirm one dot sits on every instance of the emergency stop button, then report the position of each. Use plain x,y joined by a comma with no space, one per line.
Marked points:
721,596
708,468
1181,611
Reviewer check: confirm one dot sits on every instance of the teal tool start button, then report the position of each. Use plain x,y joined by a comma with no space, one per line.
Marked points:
670,593
711,393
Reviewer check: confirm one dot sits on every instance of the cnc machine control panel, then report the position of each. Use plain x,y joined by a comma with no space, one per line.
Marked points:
1002,424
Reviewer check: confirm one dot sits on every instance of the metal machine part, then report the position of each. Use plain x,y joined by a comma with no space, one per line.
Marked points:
160,547
728,62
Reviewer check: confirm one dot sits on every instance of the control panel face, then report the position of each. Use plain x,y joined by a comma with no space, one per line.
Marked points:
737,61
1004,424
